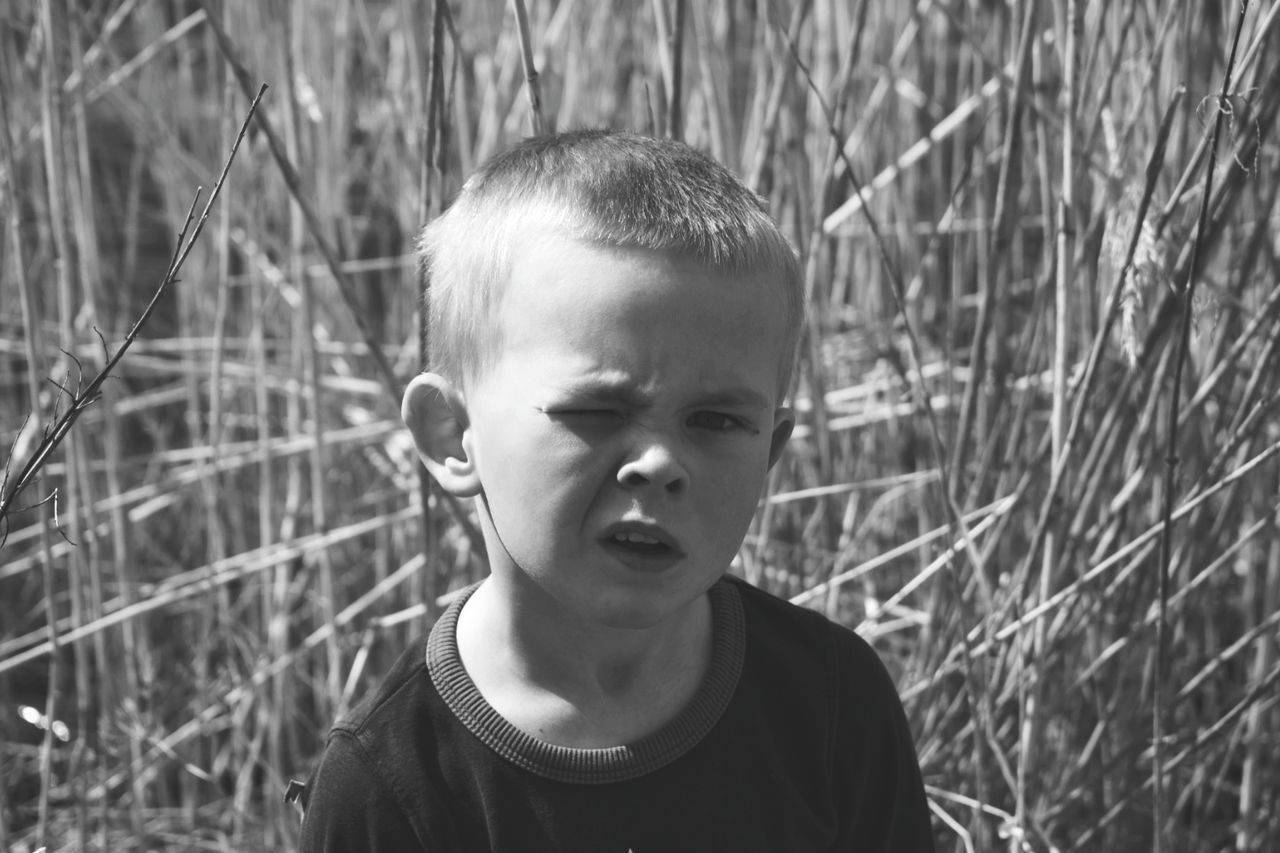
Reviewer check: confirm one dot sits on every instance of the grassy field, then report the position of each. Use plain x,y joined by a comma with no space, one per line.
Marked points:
1038,459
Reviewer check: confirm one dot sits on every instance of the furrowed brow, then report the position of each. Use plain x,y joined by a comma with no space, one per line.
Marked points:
622,392
735,398
605,390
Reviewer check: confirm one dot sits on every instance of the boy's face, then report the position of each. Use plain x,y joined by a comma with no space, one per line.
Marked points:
623,433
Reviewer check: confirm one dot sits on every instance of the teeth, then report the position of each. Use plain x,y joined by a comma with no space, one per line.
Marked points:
636,539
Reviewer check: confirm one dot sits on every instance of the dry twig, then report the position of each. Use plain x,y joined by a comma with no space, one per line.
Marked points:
82,398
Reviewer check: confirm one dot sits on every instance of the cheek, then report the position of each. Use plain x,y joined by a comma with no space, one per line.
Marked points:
734,491
537,471
740,467
740,486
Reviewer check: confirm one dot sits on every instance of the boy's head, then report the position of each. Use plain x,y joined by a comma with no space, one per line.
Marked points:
613,323
605,188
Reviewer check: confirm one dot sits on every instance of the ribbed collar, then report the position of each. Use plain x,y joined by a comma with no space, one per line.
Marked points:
595,766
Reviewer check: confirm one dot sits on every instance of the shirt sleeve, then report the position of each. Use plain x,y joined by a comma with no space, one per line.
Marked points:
349,807
874,758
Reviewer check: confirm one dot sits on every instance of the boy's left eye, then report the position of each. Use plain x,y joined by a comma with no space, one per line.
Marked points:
718,422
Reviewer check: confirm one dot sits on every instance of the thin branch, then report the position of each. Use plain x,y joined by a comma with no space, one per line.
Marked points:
81,400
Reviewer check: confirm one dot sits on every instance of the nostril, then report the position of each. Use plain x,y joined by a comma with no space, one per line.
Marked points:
655,467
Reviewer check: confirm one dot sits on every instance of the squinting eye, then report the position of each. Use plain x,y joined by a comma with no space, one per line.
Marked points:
584,418
718,422
583,413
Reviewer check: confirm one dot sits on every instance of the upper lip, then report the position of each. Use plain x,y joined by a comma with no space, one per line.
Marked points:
644,528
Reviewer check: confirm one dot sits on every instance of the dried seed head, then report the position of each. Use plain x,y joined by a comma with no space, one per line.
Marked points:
1150,266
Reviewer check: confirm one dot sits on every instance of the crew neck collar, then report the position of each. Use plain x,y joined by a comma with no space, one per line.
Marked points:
610,764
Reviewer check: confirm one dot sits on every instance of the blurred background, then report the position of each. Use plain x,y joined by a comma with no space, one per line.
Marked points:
1041,270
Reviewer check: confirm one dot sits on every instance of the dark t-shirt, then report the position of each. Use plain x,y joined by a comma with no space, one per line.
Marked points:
796,741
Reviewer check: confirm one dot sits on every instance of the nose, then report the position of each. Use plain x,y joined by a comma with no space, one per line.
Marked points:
654,464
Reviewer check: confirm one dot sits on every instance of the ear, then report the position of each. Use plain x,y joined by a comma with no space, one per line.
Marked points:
436,415
784,419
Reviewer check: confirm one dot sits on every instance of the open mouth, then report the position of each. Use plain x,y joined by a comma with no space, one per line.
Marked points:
640,543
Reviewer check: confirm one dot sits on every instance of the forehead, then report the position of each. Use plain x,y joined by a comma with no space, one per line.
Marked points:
554,256
616,284
645,308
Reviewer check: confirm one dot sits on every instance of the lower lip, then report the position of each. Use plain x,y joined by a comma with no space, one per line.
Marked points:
647,563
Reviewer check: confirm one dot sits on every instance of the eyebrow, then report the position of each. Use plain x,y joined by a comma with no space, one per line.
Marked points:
621,391
733,397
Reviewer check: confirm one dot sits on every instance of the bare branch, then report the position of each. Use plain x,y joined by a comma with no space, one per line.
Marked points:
82,399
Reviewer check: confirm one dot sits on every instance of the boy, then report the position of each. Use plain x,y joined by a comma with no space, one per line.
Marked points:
613,323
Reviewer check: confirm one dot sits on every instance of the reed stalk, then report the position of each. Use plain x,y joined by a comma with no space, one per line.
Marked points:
994,175
1160,705
533,88
33,348
314,229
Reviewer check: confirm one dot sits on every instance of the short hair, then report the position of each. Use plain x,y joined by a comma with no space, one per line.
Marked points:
606,188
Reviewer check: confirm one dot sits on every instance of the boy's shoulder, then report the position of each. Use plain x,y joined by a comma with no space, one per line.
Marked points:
807,635
398,699
360,795
828,694
807,666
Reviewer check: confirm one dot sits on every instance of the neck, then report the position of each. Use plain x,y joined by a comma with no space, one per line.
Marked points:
575,684
542,647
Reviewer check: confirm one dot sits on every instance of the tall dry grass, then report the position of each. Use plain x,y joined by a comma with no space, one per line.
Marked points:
1006,211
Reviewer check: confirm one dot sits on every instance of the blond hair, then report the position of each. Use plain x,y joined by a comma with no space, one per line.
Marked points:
606,188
